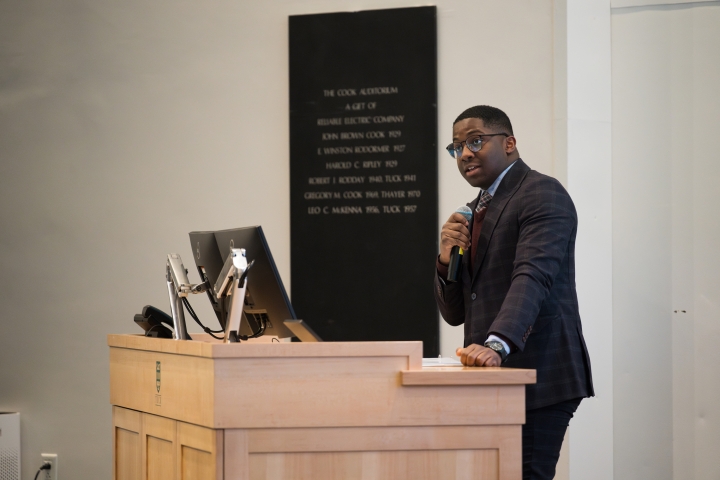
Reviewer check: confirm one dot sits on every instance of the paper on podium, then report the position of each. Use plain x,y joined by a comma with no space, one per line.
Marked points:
441,362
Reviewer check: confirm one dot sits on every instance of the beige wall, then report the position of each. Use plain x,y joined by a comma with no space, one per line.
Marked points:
126,124
666,233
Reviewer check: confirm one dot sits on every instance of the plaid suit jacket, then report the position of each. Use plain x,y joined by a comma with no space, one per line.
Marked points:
523,285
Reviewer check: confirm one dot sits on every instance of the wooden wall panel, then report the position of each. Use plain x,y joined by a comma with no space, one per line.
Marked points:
127,444
353,391
196,464
159,452
386,452
184,390
149,447
127,455
160,459
236,455
380,438
384,465
200,452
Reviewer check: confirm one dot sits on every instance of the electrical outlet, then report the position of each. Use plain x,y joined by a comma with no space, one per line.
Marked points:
52,459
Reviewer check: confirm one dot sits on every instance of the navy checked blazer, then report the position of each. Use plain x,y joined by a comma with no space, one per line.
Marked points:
523,285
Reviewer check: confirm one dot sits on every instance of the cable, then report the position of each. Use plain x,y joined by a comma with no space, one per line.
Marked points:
194,317
45,466
192,314
223,313
147,332
159,326
245,273
262,325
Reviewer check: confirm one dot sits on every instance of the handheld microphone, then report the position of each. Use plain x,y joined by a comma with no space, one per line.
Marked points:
456,254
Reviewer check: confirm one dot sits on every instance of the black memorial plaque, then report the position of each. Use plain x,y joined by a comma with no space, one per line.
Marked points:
363,174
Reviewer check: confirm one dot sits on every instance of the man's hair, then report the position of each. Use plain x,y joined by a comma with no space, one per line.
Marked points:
492,117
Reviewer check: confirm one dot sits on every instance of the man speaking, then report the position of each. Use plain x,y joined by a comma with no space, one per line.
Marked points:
515,285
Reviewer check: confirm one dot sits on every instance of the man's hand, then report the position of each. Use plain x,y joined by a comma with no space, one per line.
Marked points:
455,232
475,355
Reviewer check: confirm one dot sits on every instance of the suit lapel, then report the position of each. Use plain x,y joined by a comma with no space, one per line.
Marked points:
505,191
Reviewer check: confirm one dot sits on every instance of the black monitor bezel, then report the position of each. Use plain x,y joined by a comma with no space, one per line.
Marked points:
253,240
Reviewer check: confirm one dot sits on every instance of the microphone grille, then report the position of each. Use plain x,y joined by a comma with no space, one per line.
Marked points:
465,212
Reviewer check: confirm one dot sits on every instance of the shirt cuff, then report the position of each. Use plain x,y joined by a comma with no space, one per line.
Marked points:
495,338
441,269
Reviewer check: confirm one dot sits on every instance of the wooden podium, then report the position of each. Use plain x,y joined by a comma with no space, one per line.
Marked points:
367,410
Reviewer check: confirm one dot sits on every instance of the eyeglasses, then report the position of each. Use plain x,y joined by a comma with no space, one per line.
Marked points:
474,144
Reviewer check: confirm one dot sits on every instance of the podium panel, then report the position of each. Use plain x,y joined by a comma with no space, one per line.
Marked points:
291,411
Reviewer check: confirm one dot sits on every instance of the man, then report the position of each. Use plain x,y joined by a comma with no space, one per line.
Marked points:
515,291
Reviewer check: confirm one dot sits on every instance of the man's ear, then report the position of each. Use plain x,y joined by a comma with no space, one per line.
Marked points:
510,144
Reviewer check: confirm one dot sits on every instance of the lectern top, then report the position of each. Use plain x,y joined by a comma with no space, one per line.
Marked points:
203,345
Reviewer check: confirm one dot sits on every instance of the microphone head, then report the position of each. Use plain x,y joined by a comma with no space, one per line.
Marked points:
465,212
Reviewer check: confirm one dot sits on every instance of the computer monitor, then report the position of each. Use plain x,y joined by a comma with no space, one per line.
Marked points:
209,263
266,295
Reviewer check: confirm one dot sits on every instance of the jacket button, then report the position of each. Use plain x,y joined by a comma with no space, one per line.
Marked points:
473,296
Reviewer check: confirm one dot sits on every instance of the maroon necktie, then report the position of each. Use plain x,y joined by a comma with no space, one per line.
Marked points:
480,211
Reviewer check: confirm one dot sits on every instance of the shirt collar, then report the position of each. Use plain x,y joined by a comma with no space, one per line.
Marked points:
497,181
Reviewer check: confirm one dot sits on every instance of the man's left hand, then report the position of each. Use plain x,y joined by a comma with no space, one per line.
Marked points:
475,355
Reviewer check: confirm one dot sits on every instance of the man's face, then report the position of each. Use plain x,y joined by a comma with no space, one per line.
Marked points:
481,168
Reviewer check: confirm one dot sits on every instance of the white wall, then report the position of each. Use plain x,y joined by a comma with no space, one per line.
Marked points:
127,124
123,124
666,230
589,181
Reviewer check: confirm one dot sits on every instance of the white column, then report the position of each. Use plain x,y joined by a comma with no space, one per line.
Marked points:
588,137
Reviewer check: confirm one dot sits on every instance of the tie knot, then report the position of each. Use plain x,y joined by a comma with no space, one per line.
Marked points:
484,201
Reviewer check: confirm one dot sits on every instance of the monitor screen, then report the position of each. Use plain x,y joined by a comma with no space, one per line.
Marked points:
265,295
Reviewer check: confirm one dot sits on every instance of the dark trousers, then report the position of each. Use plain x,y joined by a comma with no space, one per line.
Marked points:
542,437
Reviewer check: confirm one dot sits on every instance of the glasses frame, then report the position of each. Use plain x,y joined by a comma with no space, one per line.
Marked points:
456,153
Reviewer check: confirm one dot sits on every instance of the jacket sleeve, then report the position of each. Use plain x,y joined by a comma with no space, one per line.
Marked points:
547,221
449,298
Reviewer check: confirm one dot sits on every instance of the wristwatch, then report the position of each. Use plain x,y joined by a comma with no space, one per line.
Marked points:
498,347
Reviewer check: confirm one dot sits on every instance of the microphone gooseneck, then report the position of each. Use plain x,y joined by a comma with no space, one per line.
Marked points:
456,254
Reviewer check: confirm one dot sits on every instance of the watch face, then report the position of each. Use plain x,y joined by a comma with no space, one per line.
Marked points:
498,347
